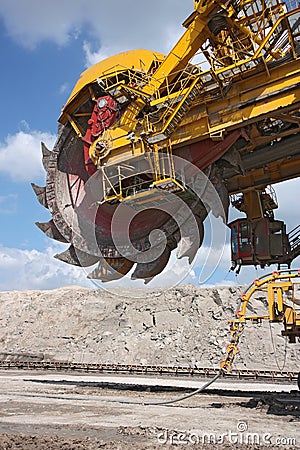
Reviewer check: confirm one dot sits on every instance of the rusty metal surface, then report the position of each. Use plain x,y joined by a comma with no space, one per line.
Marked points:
135,369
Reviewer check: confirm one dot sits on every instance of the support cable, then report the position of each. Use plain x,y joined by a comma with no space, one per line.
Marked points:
274,350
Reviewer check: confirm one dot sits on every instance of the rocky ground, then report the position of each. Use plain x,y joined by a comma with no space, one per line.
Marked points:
78,415
182,325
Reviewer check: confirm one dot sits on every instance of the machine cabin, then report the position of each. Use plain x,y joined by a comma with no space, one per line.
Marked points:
261,242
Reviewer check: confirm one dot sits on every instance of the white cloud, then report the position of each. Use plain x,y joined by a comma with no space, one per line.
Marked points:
32,269
21,156
92,57
158,34
31,21
117,25
64,88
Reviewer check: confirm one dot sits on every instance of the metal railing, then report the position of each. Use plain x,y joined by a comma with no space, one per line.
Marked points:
294,239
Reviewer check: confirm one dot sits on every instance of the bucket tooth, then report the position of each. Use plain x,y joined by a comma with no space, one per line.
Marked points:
110,269
147,280
149,270
46,155
40,192
49,228
77,257
187,248
191,239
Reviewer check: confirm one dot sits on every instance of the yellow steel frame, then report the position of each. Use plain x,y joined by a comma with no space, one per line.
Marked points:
163,172
248,100
230,95
269,89
274,285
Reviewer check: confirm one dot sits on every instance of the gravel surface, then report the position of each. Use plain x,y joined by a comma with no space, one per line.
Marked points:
60,416
182,325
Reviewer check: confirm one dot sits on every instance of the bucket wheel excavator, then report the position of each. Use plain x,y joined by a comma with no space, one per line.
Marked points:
155,142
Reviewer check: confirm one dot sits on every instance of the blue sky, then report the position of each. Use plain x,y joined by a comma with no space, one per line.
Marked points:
44,46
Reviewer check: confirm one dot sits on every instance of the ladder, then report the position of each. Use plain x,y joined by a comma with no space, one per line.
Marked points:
294,240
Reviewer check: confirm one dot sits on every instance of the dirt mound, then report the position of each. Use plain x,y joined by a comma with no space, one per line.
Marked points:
182,325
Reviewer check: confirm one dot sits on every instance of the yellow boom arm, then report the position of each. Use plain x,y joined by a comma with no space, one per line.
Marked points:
283,307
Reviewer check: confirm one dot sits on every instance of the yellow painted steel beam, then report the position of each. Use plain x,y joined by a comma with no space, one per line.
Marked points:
273,285
271,281
276,172
175,61
182,52
257,93
247,101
